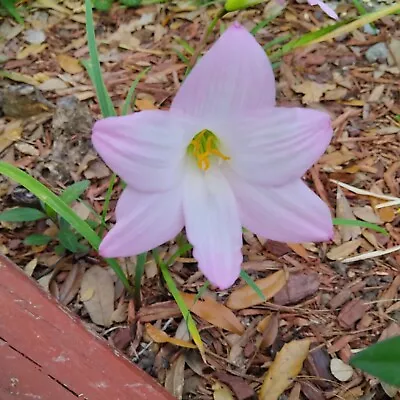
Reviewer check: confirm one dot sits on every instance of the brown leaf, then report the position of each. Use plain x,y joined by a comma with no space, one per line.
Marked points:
97,294
367,213
286,366
69,64
159,336
246,297
317,364
214,313
311,391
343,210
241,389
175,377
10,133
70,287
154,312
298,287
344,250
351,313
313,91
270,331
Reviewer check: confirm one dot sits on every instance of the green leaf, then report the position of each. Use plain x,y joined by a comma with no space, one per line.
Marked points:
62,209
93,66
131,91
249,280
180,302
73,192
362,224
21,214
381,360
140,263
68,238
37,239
102,5
9,6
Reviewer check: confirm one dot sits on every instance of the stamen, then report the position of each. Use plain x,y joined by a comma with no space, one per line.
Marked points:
203,146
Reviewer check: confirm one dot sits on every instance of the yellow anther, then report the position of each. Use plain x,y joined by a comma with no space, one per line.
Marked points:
203,146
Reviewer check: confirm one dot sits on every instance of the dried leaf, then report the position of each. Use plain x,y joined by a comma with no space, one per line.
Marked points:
52,84
367,213
69,64
343,210
159,336
351,313
270,331
313,91
298,287
175,377
340,370
286,366
10,134
221,392
241,389
344,250
31,49
246,297
100,305
214,313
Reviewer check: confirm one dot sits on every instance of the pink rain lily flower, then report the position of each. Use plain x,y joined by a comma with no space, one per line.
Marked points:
224,156
324,7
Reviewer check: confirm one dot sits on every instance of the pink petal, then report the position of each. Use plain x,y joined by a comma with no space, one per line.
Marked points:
325,8
234,76
146,149
290,213
144,221
213,226
278,145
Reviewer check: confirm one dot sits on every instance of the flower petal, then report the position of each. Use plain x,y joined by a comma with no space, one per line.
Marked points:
146,149
235,75
213,226
291,213
277,145
144,221
325,8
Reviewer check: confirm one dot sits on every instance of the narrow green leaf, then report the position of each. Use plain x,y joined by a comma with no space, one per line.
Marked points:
9,6
249,280
73,192
62,209
180,302
185,45
381,360
140,263
201,291
37,239
265,22
21,214
93,68
131,92
362,224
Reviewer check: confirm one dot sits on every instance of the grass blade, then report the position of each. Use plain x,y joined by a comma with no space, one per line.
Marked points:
249,280
62,209
362,224
181,303
140,263
128,101
93,68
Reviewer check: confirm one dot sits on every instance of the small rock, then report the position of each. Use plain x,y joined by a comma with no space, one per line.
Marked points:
33,36
378,52
341,371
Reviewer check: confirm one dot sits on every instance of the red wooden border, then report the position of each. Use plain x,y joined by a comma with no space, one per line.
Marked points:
46,353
